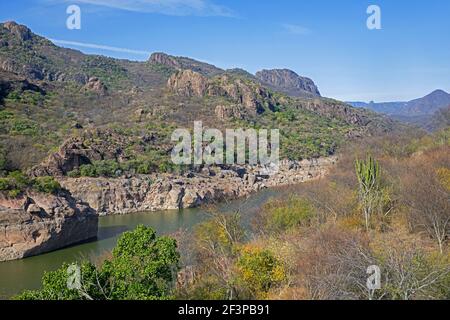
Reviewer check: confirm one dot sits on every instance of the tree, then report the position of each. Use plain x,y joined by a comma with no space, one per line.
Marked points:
142,267
428,201
217,244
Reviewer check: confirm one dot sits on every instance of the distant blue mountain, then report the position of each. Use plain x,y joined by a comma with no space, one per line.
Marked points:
422,107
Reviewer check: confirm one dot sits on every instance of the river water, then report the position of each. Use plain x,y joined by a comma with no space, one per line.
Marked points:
19,275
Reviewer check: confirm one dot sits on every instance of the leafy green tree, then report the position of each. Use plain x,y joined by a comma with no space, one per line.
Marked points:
54,285
143,267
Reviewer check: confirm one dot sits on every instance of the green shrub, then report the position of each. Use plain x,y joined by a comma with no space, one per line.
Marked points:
46,185
18,180
14,193
106,168
5,184
144,168
258,272
282,216
2,160
88,170
74,173
24,127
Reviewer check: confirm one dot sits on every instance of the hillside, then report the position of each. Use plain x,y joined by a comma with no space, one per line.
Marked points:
125,111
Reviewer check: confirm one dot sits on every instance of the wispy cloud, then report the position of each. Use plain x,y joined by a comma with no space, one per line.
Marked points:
99,47
167,7
296,29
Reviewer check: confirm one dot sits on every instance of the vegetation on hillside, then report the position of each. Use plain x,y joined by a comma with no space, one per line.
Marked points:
319,242
15,183
316,243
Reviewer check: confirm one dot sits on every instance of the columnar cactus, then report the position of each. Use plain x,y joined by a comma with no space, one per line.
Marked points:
368,174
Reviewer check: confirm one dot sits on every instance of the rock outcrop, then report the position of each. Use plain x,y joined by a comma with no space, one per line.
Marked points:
10,82
188,84
169,192
19,31
229,112
183,63
39,223
254,98
164,59
287,81
95,85
335,110
94,145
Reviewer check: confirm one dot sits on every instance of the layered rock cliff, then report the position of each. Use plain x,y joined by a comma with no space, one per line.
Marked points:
170,192
37,223
289,82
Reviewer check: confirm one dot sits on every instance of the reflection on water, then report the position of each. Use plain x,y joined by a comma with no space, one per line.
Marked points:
16,276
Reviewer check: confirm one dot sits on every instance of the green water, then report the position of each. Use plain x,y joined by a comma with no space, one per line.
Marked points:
16,276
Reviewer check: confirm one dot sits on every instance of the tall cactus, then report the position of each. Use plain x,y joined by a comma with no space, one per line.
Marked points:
368,174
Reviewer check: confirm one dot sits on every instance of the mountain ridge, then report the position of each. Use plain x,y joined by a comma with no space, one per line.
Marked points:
51,94
423,106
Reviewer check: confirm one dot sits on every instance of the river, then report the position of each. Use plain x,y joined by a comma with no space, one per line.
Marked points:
19,275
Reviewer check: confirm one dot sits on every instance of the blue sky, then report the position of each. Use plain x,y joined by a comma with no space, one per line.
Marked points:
326,40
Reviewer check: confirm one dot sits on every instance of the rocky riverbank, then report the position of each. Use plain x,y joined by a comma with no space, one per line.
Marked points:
171,192
36,223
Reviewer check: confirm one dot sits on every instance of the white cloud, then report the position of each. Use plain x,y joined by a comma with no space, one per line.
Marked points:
167,7
100,47
296,29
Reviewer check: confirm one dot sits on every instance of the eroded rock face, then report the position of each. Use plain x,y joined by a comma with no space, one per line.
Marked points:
95,85
332,109
229,112
169,192
10,82
164,59
20,31
289,82
188,83
95,145
39,223
251,96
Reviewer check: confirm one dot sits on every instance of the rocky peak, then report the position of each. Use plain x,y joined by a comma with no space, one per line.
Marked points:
19,31
164,59
289,82
183,63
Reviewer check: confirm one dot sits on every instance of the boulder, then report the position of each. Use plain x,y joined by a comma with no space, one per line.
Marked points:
38,223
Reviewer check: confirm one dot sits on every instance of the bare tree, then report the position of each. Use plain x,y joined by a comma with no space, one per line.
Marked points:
428,203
